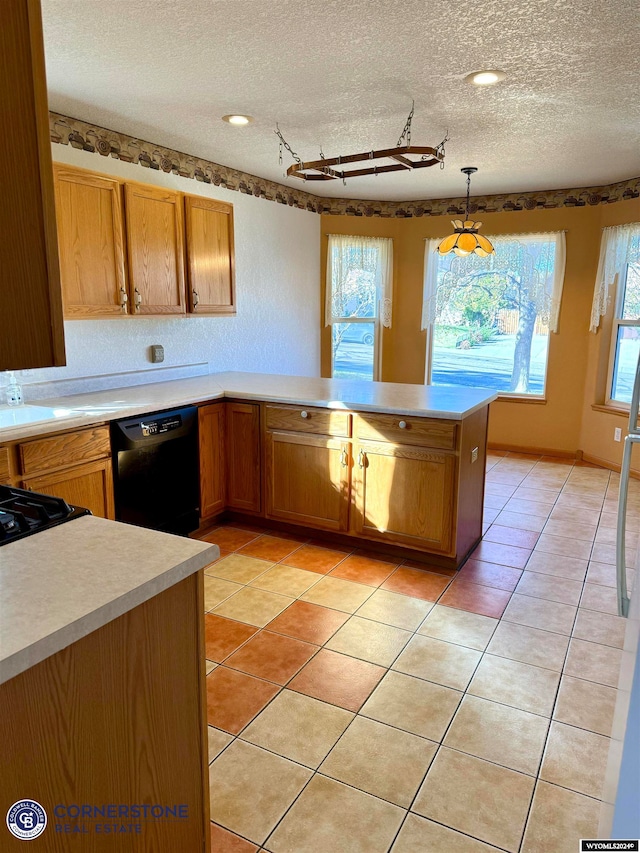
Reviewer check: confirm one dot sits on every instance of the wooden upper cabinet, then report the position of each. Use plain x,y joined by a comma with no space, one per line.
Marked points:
91,239
30,296
210,256
155,243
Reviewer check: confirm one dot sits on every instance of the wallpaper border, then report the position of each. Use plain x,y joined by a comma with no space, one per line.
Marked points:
65,130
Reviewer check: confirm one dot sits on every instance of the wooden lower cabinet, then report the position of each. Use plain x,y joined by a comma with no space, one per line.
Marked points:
404,495
211,433
244,467
89,485
5,466
307,479
118,717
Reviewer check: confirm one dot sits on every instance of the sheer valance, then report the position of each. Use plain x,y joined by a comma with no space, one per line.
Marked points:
539,257
350,258
618,247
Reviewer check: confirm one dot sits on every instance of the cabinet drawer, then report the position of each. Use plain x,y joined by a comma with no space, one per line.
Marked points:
404,429
305,419
68,449
4,465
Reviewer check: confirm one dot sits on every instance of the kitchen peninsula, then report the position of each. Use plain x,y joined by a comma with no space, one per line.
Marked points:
401,466
93,653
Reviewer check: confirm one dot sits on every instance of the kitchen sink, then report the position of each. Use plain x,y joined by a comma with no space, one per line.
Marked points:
19,415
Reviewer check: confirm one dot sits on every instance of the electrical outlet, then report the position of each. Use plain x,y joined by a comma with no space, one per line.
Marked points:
617,434
474,455
157,353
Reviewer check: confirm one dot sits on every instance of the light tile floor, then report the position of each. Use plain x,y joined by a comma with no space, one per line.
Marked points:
358,704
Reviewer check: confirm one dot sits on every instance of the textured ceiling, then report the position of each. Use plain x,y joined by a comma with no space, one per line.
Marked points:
342,75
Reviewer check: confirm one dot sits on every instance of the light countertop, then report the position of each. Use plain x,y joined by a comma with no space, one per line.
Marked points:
435,401
59,585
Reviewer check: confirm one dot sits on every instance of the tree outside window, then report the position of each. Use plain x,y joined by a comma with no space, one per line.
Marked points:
492,316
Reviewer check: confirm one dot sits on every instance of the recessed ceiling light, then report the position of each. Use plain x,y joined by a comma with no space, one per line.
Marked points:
237,119
485,78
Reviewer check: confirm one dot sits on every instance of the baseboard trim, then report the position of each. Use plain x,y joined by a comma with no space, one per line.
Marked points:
612,466
538,451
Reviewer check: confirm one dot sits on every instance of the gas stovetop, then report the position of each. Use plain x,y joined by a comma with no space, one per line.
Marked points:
23,512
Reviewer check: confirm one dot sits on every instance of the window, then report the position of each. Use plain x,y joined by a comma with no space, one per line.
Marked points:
358,303
488,319
619,273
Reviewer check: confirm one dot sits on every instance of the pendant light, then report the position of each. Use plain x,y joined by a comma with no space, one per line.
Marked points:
465,238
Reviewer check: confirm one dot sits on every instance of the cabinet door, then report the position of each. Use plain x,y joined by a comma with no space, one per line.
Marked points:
155,244
404,495
212,461
5,466
243,456
91,240
30,297
307,479
210,256
89,485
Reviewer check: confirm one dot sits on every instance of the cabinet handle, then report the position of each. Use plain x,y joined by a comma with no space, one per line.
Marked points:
124,298
361,459
304,414
344,458
402,424
137,298
196,298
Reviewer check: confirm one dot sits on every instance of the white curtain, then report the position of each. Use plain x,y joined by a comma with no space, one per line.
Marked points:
557,280
430,289
347,254
615,254
553,280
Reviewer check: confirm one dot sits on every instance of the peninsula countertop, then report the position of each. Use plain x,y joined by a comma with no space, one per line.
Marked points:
61,584
448,402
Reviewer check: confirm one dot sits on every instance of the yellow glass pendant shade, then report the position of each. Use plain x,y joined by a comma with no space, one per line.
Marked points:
461,252
481,253
457,224
485,244
447,244
467,242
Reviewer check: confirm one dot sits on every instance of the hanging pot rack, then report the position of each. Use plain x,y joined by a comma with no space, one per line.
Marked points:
404,156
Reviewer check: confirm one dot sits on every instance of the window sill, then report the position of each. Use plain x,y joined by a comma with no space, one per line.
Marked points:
610,410
514,398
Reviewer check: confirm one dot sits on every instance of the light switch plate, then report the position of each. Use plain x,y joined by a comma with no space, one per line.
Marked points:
474,455
157,353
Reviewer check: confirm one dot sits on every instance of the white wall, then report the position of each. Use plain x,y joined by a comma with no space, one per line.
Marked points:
276,329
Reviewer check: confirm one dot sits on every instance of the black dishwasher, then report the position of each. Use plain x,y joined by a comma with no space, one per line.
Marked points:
155,462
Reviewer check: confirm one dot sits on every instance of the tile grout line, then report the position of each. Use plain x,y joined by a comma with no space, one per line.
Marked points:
551,719
388,669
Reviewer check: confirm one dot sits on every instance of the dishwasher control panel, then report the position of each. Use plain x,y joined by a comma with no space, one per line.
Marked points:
161,426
